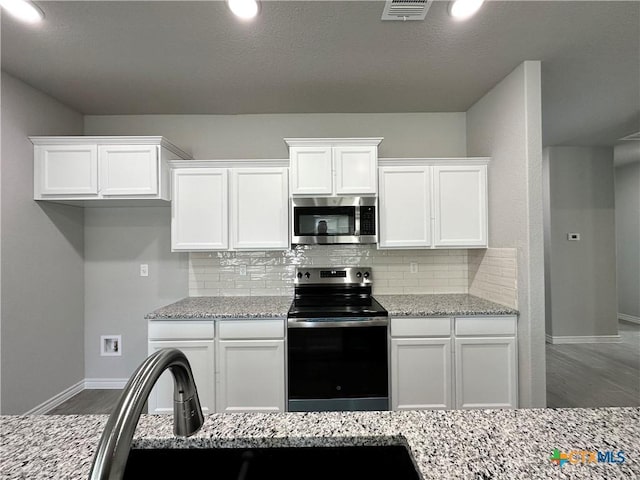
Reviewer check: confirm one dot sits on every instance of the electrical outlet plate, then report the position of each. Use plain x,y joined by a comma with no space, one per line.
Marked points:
144,270
573,237
413,267
242,270
111,345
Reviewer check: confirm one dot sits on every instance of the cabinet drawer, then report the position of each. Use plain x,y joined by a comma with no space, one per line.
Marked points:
421,327
251,328
485,325
181,330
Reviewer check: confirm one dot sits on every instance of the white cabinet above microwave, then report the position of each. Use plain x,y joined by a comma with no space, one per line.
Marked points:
83,170
333,166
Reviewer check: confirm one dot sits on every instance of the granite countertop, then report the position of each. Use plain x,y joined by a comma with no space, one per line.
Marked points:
223,307
439,305
277,307
453,444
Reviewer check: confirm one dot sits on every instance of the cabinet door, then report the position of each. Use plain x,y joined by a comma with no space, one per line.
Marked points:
259,208
251,376
311,170
66,170
355,169
405,207
199,218
128,169
201,357
486,372
421,373
460,206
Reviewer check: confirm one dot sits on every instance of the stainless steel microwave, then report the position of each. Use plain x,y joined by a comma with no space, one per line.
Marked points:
333,220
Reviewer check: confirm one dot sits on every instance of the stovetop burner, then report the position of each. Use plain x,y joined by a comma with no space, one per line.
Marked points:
334,293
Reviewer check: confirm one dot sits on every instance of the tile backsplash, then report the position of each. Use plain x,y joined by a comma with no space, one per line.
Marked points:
487,273
272,272
493,275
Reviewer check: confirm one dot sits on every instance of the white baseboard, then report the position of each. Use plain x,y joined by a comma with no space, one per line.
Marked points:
105,383
56,400
628,318
583,339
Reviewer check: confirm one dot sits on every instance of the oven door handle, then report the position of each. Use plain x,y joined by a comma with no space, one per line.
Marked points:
337,322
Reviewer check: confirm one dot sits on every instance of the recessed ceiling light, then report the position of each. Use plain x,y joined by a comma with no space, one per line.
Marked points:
23,10
244,9
463,9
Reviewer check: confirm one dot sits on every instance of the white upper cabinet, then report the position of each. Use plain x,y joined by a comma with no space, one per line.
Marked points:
65,170
128,169
87,170
433,203
199,210
355,169
460,205
311,170
244,208
259,208
405,207
333,166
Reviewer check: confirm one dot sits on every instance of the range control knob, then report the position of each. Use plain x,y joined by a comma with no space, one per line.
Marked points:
299,275
307,274
358,274
366,274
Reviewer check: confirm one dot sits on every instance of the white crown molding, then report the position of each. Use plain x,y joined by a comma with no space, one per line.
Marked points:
431,161
230,163
110,140
332,142
560,340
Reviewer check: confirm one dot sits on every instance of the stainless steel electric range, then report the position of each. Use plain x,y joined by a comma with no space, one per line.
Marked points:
337,339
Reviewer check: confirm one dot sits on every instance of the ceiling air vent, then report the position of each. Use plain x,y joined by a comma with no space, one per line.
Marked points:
406,9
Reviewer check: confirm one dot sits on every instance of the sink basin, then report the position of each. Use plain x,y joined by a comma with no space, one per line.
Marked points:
391,462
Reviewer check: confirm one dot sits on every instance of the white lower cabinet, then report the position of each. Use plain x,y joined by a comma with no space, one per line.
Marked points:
250,372
421,373
251,376
201,357
486,362
442,363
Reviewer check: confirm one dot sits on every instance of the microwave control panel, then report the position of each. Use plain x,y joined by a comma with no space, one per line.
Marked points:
367,220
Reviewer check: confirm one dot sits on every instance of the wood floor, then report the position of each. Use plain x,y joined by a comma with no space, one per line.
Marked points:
595,375
87,402
582,375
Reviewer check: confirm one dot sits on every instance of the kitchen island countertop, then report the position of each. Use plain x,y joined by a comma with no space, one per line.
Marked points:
208,308
454,444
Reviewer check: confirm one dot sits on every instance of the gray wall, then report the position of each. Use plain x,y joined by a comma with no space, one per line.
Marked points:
41,260
582,274
260,136
117,241
627,194
506,125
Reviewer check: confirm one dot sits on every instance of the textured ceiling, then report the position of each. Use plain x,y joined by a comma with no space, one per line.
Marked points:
298,57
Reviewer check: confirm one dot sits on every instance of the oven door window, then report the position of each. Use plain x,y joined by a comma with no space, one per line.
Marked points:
324,221
337,362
